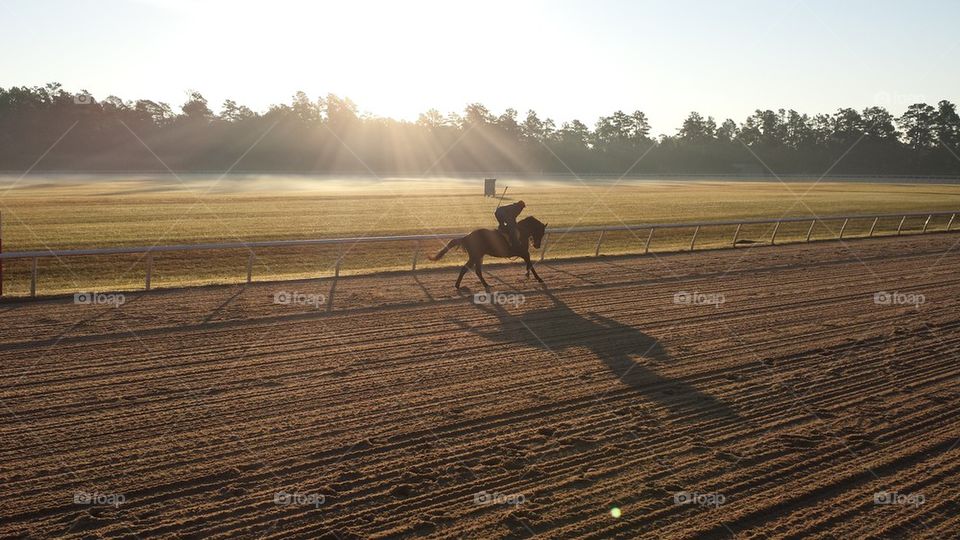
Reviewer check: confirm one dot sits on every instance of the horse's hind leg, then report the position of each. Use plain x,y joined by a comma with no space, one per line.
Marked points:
463,270
478,269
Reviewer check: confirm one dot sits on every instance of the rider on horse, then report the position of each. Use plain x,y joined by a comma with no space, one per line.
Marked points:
507,220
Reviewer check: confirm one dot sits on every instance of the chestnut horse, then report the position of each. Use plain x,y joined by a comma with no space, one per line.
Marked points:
482,242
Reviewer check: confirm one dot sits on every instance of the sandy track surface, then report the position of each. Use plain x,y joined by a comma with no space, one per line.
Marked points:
764,387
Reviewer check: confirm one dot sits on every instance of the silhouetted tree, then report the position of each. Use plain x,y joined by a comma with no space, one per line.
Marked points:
340,112
696,129
286,138
305,109
847,126
431,119
798,131
231,112
878,123
159,113
196,108
917,124
575,133
532,127
475,114
508,123
727,131
947,125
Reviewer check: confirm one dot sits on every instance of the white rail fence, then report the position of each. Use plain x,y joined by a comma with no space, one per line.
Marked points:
149,251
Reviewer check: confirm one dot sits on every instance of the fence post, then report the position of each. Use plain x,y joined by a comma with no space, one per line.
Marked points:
925,223
336,269
336,276
736,233
899,227
596,252
146,284
810,230
773,239
416,252
874,226
646,247
694,239
250,267
949,223
843,227
33,278
544,250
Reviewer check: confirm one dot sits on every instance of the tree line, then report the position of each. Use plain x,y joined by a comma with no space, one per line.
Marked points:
330,135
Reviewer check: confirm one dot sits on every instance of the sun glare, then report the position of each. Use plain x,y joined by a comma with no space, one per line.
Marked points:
396,62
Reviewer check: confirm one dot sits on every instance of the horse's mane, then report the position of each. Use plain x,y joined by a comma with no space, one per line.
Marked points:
530,220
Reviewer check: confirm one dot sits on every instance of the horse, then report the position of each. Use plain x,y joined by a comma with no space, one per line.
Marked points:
482,242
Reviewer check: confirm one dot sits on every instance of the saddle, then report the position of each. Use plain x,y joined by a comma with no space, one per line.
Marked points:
506,238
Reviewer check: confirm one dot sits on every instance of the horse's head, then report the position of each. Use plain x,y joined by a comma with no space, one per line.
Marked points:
535,228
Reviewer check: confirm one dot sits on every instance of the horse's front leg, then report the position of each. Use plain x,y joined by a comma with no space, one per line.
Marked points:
535,274
530,268
526,260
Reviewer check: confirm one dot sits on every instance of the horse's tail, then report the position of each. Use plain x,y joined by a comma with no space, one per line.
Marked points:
450,245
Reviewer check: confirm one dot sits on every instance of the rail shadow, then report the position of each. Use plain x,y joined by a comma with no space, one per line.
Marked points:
223,305
621,348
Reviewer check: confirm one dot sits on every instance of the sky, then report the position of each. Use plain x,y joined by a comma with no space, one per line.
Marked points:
566,59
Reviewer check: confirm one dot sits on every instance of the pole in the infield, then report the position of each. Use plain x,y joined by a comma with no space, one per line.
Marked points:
501,196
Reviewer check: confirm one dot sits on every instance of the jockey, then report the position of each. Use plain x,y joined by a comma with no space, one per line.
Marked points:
507,221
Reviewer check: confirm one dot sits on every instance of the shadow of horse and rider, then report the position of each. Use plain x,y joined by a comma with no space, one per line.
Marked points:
623,349
557,328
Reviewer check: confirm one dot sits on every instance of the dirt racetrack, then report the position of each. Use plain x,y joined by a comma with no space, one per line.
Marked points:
762,392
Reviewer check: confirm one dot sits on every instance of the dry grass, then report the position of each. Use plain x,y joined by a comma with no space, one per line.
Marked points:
62,212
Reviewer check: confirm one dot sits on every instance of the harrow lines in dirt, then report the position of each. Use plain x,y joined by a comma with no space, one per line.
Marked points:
707,381
783,399
781,478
